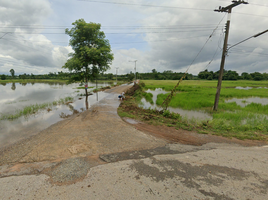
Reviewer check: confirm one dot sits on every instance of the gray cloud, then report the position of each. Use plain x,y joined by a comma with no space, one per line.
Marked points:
184,32
177,53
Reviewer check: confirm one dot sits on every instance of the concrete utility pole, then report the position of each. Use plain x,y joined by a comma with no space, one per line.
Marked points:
135,69
116,74
224,50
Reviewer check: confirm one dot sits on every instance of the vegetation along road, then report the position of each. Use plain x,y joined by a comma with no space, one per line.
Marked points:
98,155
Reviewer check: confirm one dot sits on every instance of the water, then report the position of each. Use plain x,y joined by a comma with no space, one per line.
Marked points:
249,88
15,96
245,101
189,114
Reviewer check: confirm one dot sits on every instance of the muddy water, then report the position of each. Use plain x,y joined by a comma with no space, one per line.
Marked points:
189,114
15,96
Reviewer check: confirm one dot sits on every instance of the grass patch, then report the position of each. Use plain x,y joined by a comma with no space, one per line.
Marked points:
33,109
83,87
231,120
33,81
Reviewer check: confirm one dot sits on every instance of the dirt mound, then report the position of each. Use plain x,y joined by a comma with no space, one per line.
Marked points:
131,91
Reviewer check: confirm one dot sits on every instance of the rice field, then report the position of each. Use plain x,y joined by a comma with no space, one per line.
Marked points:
231,119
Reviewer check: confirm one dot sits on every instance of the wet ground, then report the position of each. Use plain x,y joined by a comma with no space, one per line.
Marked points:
97,155
188,114
16,96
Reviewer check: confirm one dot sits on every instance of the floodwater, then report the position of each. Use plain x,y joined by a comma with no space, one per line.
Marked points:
189,114
249,88
245,101
15,96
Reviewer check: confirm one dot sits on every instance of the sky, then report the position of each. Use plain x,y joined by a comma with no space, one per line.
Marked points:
163,35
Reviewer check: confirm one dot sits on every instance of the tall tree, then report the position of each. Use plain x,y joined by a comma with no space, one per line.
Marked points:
12,72
92,52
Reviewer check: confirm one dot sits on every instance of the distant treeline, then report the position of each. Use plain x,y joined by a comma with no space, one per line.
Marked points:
154,75
232,75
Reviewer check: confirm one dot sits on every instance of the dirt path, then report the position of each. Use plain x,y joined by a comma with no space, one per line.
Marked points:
96,131
79,158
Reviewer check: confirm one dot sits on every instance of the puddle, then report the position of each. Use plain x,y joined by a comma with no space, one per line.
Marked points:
245,101
189,114
243,88
131,121
15,96
249,88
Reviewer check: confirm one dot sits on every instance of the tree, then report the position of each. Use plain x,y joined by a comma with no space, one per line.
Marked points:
130,76
110,76
92,52
12,71
3,77
154,71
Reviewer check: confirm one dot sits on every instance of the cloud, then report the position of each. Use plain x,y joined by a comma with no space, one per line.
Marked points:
23,40
183,33
168,36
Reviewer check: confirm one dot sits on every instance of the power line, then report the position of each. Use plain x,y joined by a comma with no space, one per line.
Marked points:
255,4
117,33
169,7
157,6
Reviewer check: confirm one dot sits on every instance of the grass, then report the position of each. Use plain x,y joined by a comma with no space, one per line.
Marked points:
33,109
33,81
231,120
83,87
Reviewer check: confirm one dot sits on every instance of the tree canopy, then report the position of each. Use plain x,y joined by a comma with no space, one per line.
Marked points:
92,52
12,72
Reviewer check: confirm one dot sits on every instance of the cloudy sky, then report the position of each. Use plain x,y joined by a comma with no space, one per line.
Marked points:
161,35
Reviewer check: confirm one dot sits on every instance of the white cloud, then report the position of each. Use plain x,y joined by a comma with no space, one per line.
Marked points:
170,37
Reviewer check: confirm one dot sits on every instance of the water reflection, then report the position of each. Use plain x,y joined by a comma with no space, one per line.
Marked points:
246,101
189,114
39,93
13,87
249,88
4,84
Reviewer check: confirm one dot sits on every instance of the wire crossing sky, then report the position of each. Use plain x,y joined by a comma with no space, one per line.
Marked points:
161,35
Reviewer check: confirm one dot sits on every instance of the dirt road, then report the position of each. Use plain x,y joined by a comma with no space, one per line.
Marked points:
96,155
98,130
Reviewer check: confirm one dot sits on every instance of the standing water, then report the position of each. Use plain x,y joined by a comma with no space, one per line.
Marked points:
189,114
56,101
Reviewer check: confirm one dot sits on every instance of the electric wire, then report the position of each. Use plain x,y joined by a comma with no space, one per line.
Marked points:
157,6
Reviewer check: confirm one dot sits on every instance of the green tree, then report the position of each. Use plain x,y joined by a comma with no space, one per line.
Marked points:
12,72
130,76
92,52
3,77
110,76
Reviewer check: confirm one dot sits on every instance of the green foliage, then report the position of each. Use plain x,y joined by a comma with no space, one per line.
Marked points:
12,72
3,77
130,76
171,115
92,52
231,120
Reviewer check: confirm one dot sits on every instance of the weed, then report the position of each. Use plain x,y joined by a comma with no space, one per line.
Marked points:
33,109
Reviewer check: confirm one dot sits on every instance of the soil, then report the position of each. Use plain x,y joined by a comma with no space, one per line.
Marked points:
82,138
181,136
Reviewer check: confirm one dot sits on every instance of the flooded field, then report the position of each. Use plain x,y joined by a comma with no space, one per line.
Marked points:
243,102
189,114
56,101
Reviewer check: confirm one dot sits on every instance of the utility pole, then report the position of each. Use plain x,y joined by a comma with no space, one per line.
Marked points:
116,74
224,50
135,70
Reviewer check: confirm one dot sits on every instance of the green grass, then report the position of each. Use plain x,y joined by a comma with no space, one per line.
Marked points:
32,109
83,87
231,120
33,81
